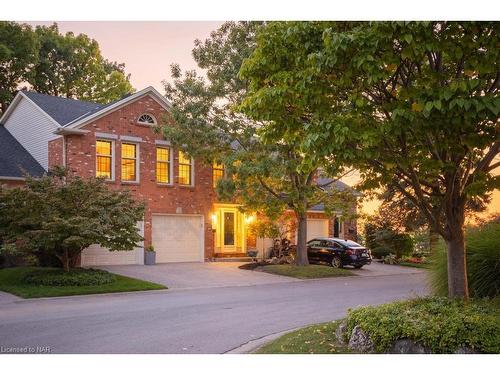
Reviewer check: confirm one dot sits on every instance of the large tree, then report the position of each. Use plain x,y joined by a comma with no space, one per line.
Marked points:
267,175
419,105
18,47
72,66
61,215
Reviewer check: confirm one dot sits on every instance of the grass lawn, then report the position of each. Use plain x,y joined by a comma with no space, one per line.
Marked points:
315,339
11,281
305,272
414,265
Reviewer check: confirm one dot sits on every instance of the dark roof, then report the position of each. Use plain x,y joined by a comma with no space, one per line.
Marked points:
333,184
14,159
63,110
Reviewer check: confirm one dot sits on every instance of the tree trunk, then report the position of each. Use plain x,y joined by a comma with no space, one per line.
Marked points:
302,259
65,260
433,240
455,245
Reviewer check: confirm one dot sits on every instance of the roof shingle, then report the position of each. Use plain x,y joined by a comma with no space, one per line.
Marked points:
15,161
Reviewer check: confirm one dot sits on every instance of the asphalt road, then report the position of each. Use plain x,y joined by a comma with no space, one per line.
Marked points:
209,320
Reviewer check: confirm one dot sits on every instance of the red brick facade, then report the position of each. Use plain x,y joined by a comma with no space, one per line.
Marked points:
80,158
159,199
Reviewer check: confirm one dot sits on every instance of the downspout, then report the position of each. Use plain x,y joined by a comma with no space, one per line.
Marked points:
64,150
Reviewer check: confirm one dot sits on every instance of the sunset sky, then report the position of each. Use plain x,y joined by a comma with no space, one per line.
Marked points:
148,49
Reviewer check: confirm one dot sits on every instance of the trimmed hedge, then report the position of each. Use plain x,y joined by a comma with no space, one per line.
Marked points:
75,277
440,324
483,262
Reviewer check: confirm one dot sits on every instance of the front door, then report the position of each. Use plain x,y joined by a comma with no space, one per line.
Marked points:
229,231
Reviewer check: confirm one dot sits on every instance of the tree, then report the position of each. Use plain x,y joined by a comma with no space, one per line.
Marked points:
61,214
72,66
418,103
267,176
18,47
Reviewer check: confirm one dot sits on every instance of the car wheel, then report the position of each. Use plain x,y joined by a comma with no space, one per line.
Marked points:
358,267
336,262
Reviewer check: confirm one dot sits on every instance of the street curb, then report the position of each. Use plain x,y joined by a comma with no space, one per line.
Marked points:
252,345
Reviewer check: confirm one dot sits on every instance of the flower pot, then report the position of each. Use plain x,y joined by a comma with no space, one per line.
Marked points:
149,258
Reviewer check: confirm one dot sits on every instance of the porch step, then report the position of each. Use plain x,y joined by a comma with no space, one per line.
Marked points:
233,259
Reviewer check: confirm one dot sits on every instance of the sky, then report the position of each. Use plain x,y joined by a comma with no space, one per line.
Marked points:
146,48
149,48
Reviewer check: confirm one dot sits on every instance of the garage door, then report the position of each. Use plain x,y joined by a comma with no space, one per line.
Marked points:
317,228
178,238
96,255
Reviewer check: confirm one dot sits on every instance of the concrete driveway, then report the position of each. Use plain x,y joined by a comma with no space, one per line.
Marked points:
226,274
198,275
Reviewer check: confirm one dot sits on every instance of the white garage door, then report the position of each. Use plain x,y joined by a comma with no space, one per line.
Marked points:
96,255
317,228
178,238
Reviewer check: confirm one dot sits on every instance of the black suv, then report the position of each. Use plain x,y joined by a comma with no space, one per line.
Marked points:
337,252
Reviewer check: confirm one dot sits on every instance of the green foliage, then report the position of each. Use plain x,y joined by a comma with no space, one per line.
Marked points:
483,262
441,324
382,239
72,66
52,63
12,281
412,105
18,46
61,215
76,277
312,271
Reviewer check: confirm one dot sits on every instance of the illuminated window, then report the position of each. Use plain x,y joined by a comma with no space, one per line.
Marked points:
217,173
129,162
104,159
185,168
163,165
146,119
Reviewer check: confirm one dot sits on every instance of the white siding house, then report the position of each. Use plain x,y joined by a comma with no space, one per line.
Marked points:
32,128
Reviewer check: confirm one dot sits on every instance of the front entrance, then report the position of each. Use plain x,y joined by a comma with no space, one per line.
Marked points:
229,230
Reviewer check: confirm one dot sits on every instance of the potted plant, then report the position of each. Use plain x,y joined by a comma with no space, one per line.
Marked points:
150,256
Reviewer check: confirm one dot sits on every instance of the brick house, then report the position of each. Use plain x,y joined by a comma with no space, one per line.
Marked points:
183,219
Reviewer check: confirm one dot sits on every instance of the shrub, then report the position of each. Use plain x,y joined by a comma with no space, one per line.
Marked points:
380,252
75,277
483,262
382,240
440,324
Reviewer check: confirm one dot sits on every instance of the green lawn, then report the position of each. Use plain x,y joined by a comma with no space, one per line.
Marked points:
315,339
414,265
11,281
305,272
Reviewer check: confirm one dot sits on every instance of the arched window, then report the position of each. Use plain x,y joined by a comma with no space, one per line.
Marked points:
146,119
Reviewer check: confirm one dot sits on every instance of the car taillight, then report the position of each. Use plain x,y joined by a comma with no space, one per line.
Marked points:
348,252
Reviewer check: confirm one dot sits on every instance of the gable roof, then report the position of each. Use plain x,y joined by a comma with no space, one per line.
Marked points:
15,161
62,110
333,184
71,113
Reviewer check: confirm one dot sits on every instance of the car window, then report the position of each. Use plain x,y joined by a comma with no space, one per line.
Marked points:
313,243
325,243
335,245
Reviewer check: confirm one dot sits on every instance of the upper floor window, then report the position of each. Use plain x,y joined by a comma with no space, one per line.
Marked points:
129,162
185,169
163,165
104,159
217,173
146,119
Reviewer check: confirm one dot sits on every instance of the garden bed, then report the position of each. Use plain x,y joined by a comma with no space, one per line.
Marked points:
311,271
36,282
422,325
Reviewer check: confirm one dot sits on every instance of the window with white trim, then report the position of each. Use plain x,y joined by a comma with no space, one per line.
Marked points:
146,119
129,162
185,169
104,159
163,165
218,172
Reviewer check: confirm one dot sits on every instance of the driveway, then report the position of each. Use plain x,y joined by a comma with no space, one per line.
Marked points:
199,275
225,274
